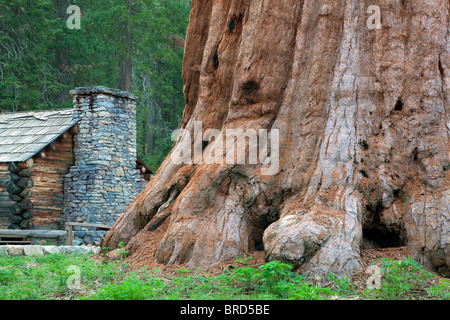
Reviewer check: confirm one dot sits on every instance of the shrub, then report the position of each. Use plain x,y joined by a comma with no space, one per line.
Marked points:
404,279
46,278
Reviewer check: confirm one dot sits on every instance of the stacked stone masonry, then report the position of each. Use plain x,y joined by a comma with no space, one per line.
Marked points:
104,180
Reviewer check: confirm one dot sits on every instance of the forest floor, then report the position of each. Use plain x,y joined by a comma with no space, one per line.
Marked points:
147,243
122,275
400,276
52,277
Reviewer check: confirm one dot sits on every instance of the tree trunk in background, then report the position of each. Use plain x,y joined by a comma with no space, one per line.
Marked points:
148,103
125,59
363,120
149,136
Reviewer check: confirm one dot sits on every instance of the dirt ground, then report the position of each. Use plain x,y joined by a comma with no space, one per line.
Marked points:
143,247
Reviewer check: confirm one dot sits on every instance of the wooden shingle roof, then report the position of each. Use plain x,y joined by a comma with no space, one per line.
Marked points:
24,134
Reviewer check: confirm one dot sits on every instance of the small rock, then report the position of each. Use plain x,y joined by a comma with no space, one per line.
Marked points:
96,250
50,249
120,172
64,249
15,251
4,251
113,255
33,251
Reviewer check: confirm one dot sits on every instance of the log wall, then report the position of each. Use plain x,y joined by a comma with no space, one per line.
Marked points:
5,202
47,195
48,171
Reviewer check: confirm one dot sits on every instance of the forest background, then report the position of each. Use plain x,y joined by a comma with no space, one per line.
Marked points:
131,45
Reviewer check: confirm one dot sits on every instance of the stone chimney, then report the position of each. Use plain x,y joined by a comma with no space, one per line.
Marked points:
104,180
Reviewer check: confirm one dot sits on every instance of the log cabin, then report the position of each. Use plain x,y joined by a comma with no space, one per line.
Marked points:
77,165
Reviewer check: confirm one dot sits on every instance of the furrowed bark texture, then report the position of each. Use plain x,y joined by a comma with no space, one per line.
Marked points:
363,116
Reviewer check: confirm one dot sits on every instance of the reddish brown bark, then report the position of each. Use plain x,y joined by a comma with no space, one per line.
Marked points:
363,118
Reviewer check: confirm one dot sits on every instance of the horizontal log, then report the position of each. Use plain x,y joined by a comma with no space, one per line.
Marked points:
27,224
88,225
46,192
14,189
14,242
4,182
46,198
56,170
14,167
61,150
25,173
51,171
48,206
45,176
15,210
27,215
26,165
15,197
45,171
29,163
25,204
34,233
43,211
38,207
25,183
55,162
5,208
54,156
13,237
4,198
26,193
49,180
53,168
4,212
48,177
13,177
14,219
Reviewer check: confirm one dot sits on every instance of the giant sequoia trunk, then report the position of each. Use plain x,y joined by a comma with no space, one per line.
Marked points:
362,111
